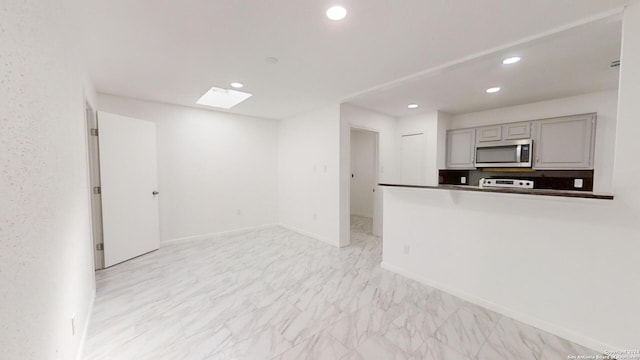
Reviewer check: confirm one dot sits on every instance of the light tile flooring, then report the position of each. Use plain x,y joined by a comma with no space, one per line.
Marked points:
276,294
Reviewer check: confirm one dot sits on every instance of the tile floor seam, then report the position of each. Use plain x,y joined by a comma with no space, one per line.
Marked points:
489,334
435,337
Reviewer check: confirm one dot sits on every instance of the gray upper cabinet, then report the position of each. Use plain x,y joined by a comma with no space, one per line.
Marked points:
513,131
516,131
489,133
565,142
461,148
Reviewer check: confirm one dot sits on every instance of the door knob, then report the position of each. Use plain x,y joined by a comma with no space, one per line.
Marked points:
155,192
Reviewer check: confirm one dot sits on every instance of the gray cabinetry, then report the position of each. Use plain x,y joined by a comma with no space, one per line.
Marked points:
565,142
516,131
513,131
461,148
489,133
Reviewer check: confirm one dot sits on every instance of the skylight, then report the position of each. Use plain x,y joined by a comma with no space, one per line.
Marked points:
223,98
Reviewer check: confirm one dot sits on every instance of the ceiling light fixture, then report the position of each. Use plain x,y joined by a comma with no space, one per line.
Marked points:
412,106
511,60
493,90
336,13
223,98
237,85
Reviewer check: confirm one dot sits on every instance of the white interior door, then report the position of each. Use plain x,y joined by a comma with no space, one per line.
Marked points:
129,174
413,159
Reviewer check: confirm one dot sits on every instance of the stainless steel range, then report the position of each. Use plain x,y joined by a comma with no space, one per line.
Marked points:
506,183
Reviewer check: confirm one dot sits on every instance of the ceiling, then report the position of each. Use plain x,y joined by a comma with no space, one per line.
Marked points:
571,62
174,51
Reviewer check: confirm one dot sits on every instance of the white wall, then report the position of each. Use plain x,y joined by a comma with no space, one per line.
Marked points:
46,259
217,172
308,165
568,266
363,172
604,103
352,116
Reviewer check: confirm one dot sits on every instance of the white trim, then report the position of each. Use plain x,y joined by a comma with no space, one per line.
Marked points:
216,234
87,323
514,314
345,187
365,128
309,234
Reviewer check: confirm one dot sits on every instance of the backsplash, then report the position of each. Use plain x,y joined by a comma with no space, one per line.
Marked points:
543,179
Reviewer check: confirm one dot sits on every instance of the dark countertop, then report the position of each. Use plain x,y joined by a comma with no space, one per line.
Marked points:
544,192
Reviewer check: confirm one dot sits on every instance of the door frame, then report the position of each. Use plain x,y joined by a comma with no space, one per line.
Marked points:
93,174
377,197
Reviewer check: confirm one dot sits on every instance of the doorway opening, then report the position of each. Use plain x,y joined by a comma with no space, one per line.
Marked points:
94,186
364,197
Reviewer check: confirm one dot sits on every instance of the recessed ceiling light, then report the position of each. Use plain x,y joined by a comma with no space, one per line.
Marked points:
492,90
412,106
336,12
511,60
237,85
223,98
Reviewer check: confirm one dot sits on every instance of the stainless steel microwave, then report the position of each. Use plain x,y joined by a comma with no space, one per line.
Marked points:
512,153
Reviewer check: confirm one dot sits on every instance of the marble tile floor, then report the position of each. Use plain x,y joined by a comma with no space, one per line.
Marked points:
276,294
361,225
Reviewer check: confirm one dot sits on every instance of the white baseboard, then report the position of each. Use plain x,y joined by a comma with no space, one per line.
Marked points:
309,234
216,234
87,323
527,319
247,229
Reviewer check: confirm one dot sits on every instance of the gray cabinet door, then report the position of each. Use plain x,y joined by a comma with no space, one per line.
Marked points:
516,131
489,133
461,148
564,143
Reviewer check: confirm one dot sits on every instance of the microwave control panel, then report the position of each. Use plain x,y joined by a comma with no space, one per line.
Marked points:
524,153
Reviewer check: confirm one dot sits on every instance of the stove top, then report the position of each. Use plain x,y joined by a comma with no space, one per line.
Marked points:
506,183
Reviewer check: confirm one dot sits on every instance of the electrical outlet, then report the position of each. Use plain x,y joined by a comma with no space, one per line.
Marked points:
463,180
407,249
578,183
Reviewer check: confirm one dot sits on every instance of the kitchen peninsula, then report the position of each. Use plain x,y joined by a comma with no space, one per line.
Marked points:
524,253
543,192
